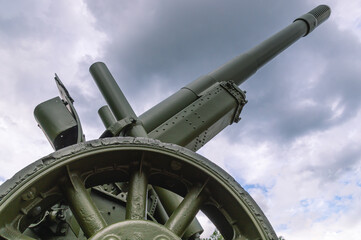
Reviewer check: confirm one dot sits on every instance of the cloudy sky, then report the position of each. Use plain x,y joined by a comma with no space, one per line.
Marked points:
297,148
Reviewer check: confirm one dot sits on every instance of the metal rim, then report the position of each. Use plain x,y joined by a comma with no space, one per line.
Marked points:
67,174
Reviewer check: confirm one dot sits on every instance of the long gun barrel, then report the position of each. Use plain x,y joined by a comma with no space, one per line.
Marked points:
189,118
238,69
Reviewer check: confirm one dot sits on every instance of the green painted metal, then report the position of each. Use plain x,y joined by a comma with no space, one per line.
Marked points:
119,128
137,195
160,213
114,96
136,229
170,202
167,108
10,233
111,91
110,160
69,103
122,110
238,69
186,211
57,123
110,199
132,187
59,120
82,206
106,116
195,125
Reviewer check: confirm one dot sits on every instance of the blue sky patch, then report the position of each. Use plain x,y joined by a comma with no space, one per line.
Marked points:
2,179
248,187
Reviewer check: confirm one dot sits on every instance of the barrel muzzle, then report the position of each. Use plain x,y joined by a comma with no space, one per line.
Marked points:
315,17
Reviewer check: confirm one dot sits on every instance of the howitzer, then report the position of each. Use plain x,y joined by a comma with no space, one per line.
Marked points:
142,178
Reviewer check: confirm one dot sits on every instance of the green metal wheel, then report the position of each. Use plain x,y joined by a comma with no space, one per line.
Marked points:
62,191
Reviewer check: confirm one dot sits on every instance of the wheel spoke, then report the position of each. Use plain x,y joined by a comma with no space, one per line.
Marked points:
82,206
137,195
168,202
226,204
186,211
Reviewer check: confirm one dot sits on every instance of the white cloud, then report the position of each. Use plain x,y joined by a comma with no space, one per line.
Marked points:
347,15
308,187
38,40
206,224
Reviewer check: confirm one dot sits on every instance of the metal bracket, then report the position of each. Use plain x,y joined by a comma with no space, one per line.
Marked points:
68,101
239,96
120,127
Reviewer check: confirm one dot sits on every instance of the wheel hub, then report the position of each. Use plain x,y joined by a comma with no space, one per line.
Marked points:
135,230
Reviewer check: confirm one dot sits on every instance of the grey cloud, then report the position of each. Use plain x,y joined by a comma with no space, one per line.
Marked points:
275,92
174,42
342,162
181,40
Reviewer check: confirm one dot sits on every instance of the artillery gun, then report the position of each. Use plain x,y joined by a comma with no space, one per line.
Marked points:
142,178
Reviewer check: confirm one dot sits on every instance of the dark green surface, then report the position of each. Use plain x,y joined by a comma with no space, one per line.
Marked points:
115,97
195,125
106,116
57,123
238,69
109,160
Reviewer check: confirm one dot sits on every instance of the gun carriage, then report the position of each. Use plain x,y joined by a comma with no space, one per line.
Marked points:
142,178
